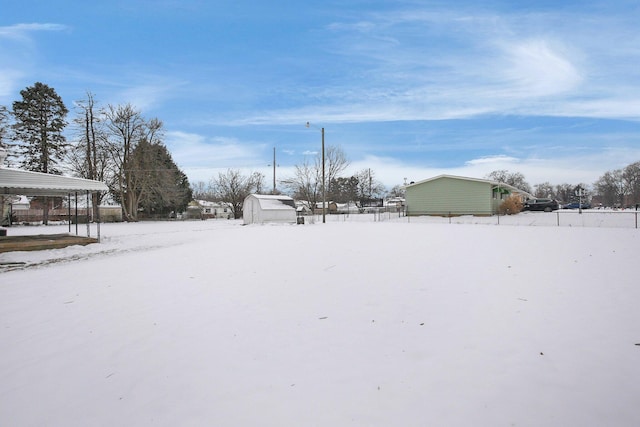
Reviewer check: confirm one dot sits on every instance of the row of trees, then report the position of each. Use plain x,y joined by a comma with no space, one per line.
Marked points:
305,184
117,145
562,192
113,144
620,187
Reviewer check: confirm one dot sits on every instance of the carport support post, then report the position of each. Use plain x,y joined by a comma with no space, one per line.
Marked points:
69,211
87,211
97,213
76,201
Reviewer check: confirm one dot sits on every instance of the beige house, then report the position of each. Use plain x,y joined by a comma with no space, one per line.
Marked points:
456,195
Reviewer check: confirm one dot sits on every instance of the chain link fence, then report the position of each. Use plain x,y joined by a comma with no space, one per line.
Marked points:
560,218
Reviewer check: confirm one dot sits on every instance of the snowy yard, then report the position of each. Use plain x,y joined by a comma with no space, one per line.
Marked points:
386,323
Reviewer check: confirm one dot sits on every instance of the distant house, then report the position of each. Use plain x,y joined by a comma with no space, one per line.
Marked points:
207,210
329,208
395,202
347,208
262,208
215,210
456,195
20,203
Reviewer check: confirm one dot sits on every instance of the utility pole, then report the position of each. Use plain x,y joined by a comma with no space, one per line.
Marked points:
324,193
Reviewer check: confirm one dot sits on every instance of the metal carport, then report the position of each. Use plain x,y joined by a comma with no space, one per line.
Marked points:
15,182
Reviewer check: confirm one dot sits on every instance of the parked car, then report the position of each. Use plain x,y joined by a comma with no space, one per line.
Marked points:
546,205
576,205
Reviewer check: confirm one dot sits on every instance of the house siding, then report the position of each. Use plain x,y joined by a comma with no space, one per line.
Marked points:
450,196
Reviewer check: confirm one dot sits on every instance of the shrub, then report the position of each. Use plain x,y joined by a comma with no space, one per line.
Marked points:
511,205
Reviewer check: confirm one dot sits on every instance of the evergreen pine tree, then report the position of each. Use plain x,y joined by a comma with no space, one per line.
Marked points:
39,122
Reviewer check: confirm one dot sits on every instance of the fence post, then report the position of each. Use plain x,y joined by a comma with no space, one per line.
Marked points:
558,218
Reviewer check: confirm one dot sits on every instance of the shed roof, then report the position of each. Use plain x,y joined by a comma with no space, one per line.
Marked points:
273,202
20,182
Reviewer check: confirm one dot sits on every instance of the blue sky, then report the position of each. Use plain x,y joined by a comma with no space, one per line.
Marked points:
410,89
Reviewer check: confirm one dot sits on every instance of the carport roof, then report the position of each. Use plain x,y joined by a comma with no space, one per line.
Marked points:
27,183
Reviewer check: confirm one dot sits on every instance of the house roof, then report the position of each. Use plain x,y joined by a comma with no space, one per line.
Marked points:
208,204
20,182
464,178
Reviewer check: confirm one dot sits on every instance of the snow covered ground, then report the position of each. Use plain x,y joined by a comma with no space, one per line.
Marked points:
350,323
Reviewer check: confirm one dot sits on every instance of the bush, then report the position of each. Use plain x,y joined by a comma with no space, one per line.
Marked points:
511,205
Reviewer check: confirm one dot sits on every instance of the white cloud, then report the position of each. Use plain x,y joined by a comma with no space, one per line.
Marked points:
492,160
536,69
194,152
18,54
8,79
149,95
20,31
557,170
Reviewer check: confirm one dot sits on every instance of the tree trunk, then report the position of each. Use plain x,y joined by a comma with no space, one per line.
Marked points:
45,211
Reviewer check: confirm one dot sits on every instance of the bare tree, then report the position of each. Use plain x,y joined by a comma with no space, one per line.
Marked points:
564,192
396,191
368,186
232,187
335,163
125,127
306,184
544,190
515,179
631,177
89,157
611,187
202,191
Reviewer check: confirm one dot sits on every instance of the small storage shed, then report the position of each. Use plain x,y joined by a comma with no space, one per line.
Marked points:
262,208
448,195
